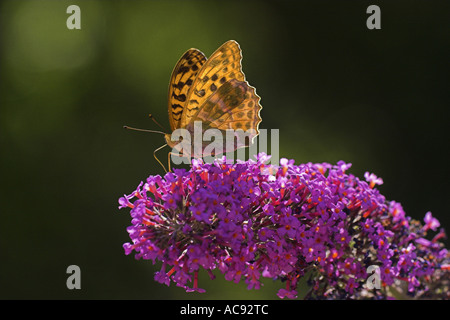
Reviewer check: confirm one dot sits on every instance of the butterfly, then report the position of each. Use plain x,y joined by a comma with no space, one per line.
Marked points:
214,92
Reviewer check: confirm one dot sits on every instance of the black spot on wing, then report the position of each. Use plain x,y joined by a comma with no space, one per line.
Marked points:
176,109
181,97
183,69
177,112
178,85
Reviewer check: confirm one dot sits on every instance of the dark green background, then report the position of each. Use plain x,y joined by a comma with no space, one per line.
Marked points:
336,90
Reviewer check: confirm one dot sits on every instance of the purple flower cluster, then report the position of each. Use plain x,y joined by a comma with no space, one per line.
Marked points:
315,221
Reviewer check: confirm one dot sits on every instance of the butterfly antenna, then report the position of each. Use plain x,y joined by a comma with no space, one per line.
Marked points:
154,120
143,130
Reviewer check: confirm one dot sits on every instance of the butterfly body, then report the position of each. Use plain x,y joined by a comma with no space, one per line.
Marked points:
213,92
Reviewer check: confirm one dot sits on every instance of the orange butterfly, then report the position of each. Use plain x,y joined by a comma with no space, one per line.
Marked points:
213,91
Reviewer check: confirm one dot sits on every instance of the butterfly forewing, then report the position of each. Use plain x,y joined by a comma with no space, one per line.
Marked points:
182,79
223,65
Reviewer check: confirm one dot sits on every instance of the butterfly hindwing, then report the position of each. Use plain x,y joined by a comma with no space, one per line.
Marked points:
234,106
223,65
182,78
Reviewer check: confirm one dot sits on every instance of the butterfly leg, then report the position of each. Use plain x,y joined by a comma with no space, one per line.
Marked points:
154,155
168,160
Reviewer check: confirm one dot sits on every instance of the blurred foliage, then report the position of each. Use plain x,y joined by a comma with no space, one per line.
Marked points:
336,90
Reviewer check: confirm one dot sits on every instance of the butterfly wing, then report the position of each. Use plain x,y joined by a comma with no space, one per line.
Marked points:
235,105
223,65
183,76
